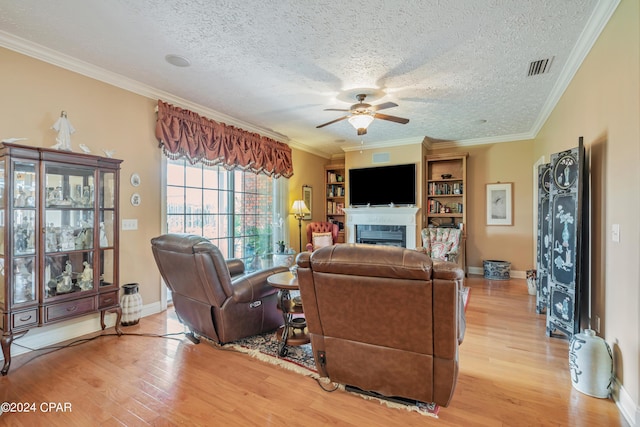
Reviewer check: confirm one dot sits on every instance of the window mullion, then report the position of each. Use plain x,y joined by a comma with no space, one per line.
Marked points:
232,212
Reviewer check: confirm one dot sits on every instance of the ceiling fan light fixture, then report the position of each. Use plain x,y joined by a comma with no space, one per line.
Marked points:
360,122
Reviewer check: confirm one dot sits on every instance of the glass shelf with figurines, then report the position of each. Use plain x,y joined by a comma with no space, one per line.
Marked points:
67,273
24,283
24,184
68,230
69,187
24,231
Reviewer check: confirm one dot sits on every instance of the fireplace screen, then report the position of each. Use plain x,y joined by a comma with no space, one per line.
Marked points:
390,235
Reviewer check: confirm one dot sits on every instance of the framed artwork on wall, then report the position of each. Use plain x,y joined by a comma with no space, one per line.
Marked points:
307,196
499,204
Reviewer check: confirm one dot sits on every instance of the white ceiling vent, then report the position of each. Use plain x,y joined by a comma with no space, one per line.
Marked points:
541,66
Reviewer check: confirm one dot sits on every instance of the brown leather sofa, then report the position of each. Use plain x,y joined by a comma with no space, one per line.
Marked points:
384,319
213,297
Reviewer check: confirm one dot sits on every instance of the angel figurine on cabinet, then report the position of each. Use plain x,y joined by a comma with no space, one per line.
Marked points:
64,129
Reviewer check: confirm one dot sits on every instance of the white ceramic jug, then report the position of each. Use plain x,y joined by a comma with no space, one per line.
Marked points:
591,364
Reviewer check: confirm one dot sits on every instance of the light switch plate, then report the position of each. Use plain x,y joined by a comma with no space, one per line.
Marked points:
129,224
615,232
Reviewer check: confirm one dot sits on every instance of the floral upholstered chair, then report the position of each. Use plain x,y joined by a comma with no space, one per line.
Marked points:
320,234
444,243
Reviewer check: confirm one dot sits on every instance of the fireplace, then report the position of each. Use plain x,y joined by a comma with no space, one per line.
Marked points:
390,235
382,225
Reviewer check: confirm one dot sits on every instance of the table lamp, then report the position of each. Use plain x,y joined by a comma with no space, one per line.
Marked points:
299,210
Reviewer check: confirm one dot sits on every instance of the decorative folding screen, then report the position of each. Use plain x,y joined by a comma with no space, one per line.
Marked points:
568,266
543,255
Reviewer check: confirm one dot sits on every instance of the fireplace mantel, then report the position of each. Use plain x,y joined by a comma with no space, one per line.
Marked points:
383,215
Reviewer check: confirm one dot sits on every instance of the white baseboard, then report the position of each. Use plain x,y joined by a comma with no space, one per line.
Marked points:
514,274
627,407
45,336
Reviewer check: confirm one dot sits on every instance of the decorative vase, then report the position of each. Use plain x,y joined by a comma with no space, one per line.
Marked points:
497,270
131,305
591,364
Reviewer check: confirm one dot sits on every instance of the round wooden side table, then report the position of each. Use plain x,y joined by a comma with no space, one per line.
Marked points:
294,330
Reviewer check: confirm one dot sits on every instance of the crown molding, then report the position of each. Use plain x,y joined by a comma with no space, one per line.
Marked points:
300,146
431,144
383,144
597,22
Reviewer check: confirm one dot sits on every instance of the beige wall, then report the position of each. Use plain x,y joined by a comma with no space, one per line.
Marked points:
105,117
493,163
602,104
308,169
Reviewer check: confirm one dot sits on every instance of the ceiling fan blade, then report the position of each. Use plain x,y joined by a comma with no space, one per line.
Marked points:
391,118
331,122
335,109
383,106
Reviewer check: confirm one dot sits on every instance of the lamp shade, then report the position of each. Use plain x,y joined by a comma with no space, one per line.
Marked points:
299,208
360,121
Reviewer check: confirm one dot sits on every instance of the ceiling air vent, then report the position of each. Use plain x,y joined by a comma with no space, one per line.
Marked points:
539,67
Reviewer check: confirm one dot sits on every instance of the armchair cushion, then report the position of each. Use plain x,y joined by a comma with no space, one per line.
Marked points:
321,227
320,240
442,243
439,250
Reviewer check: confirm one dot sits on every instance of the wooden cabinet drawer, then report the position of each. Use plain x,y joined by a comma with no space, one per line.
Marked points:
25,318
69,309
107,300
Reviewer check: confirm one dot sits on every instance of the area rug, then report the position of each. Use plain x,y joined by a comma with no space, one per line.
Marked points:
300,360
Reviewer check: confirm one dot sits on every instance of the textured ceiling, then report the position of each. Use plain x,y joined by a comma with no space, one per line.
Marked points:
457,68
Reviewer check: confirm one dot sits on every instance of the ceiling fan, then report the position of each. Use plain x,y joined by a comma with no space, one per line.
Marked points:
362,114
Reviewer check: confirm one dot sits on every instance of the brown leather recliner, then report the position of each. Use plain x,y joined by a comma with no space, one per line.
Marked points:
211,296
384,319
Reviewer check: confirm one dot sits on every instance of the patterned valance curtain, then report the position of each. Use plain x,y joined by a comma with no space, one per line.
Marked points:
183,133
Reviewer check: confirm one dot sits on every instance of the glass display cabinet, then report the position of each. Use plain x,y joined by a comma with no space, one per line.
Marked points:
58,239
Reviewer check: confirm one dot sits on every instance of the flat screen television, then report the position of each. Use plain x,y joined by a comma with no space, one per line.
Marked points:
383,185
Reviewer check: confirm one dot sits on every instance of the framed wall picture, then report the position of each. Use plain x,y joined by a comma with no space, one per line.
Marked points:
307,196
135,180
499,204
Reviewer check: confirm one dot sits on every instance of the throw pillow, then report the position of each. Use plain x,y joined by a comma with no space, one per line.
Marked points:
440,249
320,240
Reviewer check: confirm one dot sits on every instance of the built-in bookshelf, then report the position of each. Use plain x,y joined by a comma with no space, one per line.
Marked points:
335,197
446,198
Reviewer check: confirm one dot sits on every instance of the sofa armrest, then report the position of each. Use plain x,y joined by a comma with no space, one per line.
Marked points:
449,271
235,266
253,286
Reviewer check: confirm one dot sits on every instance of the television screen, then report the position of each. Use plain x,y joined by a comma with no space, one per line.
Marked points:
383,185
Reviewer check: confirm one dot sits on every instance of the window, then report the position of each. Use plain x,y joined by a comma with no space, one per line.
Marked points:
235,210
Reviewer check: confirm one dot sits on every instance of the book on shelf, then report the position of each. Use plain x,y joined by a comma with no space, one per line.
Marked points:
439,188
436,207
333,177
335,208
335,191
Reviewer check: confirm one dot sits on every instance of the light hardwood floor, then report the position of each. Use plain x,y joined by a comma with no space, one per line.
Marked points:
510,374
